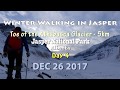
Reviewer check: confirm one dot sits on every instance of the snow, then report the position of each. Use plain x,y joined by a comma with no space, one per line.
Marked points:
107,67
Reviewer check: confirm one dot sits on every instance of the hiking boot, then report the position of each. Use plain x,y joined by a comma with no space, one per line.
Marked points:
18,76
9,77
9,74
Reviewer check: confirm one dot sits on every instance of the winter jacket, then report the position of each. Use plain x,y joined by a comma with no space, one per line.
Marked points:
24,41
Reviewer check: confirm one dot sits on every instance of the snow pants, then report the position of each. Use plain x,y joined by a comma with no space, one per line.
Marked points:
12,56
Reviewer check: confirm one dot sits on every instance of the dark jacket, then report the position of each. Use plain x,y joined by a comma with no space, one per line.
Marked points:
24,41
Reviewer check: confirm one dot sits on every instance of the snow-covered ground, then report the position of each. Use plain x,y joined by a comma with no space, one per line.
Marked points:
105,68
96,69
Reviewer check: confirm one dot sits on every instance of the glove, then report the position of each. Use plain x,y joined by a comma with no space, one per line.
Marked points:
5,54
28,54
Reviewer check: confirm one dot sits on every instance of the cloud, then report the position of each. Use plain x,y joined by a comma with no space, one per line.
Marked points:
47,15
11,13
23,13
3,17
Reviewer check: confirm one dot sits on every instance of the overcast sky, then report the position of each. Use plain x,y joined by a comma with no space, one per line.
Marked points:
65,16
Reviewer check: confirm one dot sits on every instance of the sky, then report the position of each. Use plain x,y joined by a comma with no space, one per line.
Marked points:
67,16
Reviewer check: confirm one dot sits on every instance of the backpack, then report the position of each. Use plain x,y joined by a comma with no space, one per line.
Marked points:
15,43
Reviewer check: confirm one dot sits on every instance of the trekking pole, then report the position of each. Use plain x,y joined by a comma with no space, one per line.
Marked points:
26,69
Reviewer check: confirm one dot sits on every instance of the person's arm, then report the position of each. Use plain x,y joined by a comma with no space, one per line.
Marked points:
25,44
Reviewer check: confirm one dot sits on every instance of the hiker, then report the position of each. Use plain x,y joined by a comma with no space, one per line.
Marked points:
13,48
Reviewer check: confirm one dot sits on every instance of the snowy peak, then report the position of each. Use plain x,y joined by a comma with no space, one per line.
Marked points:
113,41
102,50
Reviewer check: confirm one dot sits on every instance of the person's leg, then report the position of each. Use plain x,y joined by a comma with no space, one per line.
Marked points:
18,65
11,58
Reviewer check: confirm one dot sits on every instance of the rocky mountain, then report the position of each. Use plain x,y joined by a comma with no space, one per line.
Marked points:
103,50
40,50
39,53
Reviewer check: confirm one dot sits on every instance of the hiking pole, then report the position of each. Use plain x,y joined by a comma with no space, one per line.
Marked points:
26,69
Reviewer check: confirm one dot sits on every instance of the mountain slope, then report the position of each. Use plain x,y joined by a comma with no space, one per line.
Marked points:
38,53
103,50
102,62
